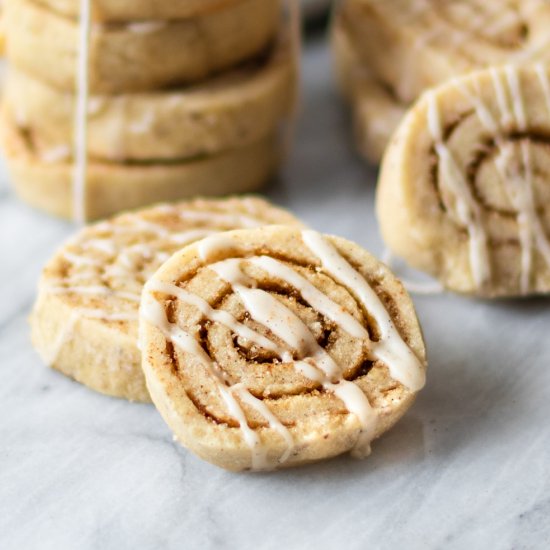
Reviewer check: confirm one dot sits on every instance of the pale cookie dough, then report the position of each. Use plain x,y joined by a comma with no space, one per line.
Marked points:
135,57
225,112
46,181
138,10
376,113
84,322
411,45
388,53
464,188
275,347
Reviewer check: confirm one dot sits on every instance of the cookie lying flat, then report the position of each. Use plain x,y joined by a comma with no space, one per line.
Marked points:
464,186
275,347
138,10
143,56
376,112
225,112
44,179
84,322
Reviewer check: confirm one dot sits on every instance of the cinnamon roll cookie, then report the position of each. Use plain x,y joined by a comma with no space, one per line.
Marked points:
139,10
138,56
375,111
84,322
225,112
464,186
409,46
274,347
44,178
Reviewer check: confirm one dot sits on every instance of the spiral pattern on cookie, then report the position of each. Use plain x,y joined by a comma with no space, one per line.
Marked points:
412,45
85,319
473,187
273,347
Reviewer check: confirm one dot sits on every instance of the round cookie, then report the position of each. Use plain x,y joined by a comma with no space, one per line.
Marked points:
376,113
463,191
138,10
84,321
412,45
274,347
225,112
45,179
141,56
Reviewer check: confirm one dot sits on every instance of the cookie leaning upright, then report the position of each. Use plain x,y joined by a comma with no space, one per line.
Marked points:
200,94
275,347
408,46
464,185
84,321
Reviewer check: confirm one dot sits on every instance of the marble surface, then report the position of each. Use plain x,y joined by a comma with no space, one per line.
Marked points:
468,467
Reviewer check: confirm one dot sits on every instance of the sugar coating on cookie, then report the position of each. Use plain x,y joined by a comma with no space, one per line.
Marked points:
84,322
276,346
464,185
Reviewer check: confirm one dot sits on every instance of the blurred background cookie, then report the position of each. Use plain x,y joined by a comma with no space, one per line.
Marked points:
198,99
463,192
407,47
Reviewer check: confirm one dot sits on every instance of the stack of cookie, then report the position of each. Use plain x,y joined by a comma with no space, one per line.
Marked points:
388,53
139,102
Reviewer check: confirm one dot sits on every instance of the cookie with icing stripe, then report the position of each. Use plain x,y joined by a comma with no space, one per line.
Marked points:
411,45
224,112
463,191
408,46
273,347
84,322
139,56
44,179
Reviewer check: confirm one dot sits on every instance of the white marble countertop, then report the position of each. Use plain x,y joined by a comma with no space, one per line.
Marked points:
468,467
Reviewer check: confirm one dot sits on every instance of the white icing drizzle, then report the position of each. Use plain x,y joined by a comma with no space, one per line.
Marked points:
311,294
518,186
145,27
143,125
190,236
312,361
466,207
77,314
95,290
231,220
107,246
286,325
428,288
153,312
79,260
542,74
95,104
55,154
220,316
81,115
403,364
274,423
214,245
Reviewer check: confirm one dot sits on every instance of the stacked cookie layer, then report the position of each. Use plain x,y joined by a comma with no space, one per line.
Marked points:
179,98
261,343
388,53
